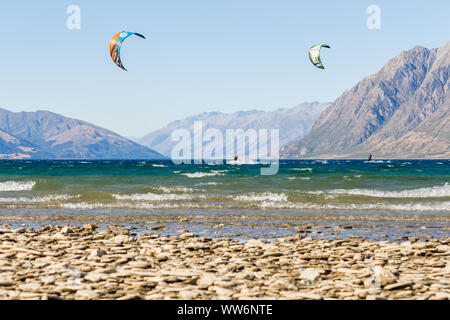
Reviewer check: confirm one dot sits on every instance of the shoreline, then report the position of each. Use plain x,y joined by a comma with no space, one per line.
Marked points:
70,262
249,224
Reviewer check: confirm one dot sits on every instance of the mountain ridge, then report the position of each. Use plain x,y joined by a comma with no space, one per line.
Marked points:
51,135
292,122
399,112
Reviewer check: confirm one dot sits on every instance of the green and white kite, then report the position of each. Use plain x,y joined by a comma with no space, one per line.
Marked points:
314,55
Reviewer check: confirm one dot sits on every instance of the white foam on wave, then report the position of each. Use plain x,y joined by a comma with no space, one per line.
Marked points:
266,196
43,199
156,197
159,166
190,205
82,205
177,189
242,162
299,178
204,174
433,192
263,201
425,206
302,169
17,185
208,184
131,205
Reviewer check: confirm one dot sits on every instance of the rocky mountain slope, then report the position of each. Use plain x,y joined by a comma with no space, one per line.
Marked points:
44,134
293,124
400,112
16,148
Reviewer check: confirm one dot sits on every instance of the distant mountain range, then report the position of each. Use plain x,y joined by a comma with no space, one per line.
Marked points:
47,135
400,112
293,123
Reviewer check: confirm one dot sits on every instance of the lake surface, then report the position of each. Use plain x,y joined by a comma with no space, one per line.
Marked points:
381,199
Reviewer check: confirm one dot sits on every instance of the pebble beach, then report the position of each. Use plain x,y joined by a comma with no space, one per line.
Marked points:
86,262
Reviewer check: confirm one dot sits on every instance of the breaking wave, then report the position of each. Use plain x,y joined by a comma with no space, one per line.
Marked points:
156,197
16,185
204,174
426,206
131,205
176,189
433,192
43,199
208,184
266,196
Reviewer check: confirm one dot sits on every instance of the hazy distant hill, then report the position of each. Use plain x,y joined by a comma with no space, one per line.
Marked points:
15,148
44,134
293,124
400,112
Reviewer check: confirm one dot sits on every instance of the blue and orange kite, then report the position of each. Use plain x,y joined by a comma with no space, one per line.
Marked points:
115,45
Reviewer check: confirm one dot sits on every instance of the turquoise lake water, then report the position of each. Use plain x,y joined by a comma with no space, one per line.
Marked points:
381,199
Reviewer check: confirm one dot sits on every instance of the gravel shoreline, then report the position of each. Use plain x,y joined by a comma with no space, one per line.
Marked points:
56,262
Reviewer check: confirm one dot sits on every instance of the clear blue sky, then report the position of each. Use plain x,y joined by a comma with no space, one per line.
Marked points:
199,55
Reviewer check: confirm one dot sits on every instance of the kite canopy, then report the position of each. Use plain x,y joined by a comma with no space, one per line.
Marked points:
314,55
116,44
